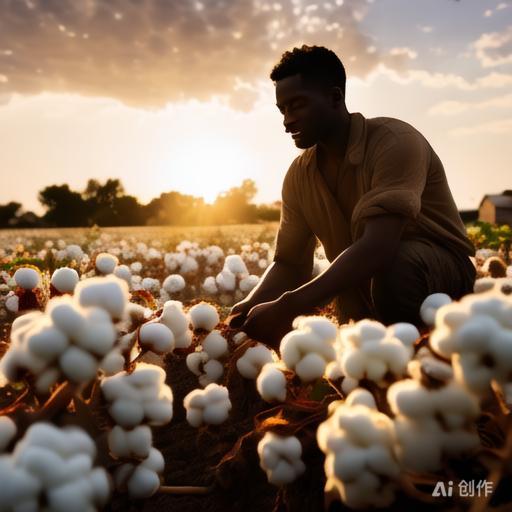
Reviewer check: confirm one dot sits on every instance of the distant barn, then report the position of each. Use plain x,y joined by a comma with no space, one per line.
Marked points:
497,208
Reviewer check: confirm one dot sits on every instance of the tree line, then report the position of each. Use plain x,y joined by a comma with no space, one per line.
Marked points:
107,204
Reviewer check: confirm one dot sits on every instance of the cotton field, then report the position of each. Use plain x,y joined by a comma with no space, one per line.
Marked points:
123,388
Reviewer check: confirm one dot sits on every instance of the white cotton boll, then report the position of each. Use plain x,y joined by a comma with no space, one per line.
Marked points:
25,320
213,371
12,303
253,360
27,278
431,304
106,263
226,280
361,332
154,461
126,412
361,396
280,458
235,264
248,283
271,383
78,492
210,286
66,315
150,284
183,340
405,332
174,317
100,484
157,337
239,337
123,272
159,412
109,293
18,486
65,279
203,316
211,405
310,367
136,267
116,387
349,384
46,342
112,363
215,345
353,364
146,375
74,252
195,360
484,284
189,265
99,335
469,372
130,443
174,283
47,379
319,325
333,370
410,398
7,431
143,483
78,365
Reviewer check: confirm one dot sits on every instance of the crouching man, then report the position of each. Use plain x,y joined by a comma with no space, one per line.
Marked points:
373,192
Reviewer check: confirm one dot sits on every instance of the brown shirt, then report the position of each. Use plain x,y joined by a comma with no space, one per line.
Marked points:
389,167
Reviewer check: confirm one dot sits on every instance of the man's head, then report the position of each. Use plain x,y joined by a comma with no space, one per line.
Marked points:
310,92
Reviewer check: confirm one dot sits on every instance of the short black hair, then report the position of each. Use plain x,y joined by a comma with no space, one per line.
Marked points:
316,64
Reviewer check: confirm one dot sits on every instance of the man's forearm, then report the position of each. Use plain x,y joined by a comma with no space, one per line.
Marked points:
357,263
277,279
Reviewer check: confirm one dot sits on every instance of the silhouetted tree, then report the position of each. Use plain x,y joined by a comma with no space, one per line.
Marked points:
8,213
64,206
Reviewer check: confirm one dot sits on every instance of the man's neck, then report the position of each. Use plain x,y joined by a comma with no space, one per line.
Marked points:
334,146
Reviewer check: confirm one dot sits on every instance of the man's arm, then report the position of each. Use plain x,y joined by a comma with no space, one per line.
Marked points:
362,260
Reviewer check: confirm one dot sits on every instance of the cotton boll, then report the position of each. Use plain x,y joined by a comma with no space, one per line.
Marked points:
213,371
484,284
25,320
46,380
127,413
195,360
123,272
349,384
248,283
431,304
27,278
154,461
106,263
150,284
310,367
109,293
157,337
183,340
112,363
235,264
7,431
65,279
333,370
159,412
174,283
215,345
203,316
271,383
405,332
136,267
77,492
280,458
101,486
98,335
143,483
226,280
253,360
189,266
211,405
361,396
410,398
134,443
75,252
174,317
12,303
239,338
46,342
210,286
78,365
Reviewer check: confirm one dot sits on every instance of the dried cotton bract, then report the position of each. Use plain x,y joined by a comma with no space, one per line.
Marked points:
280,458
360,466
310,347
210,405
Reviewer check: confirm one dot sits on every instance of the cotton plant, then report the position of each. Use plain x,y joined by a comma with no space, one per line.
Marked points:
70,339
431,423
254,359
204,362
372,351
55,466
476,334
209,406
271,382
177,321
280,458
360,464
309,347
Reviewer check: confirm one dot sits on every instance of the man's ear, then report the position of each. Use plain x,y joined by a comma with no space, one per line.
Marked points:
337,96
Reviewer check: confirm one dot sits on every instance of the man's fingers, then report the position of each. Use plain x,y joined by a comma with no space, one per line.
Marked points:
235,320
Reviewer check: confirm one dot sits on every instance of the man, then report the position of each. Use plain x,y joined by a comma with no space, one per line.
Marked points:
373,192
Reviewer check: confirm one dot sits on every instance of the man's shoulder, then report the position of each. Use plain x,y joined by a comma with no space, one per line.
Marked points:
390,128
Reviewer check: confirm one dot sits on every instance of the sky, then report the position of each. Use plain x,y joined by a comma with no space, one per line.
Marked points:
172,95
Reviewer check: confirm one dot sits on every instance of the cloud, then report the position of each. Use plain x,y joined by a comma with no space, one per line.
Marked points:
453,107
147,53
403,50
499,127
426,29
495,48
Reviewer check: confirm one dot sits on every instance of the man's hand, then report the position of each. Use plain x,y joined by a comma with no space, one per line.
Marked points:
238,313
270,321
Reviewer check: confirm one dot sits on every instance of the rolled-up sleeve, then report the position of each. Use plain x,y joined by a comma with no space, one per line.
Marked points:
295,242
399,175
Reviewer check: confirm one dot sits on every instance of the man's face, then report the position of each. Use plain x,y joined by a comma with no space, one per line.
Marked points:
307,110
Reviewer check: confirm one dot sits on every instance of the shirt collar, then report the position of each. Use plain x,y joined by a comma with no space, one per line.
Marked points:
356,138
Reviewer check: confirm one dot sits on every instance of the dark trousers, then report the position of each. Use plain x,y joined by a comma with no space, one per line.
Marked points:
420,268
